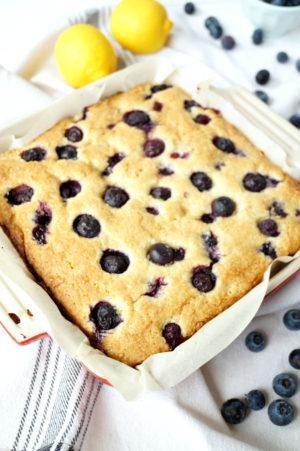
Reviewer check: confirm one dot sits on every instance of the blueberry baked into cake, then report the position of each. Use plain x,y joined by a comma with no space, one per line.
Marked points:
146,216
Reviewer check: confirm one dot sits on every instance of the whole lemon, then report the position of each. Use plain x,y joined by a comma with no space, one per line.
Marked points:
83,55
141,26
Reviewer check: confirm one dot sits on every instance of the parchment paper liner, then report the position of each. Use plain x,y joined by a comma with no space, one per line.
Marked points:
163,370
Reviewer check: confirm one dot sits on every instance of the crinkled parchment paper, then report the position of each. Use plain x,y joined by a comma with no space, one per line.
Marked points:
163,370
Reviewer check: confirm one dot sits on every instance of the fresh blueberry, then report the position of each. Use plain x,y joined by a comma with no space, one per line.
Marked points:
233,411
158,88
105,316
262,77
137,118
160,254
86,226
204,280
161,193
112,161
280,412
202,119
282,57
74,134
256,400
295,120
35,154
189,8
262,95
254,182
66,152
268,227
114,262
292,319
223,206
69,189
228,42
189,104
216,31
255,342
257,36
268,250
224,144
172,335
19,195
153,148
201,181
210,21
294,359
115,197
298,65
285,385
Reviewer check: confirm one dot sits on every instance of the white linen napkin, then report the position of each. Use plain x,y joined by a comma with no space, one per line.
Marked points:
50,402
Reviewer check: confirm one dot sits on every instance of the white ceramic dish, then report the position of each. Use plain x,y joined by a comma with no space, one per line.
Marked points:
274,20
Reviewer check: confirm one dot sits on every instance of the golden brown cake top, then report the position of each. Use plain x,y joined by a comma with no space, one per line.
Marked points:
146,216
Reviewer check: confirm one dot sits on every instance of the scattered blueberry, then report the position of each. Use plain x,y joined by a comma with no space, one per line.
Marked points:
201,181
160,254
294,359
86,226
115,197
223,206
295,120
39,235
66,152
282,57
268,227
19,195
153,148
276,209
233,411
224,144
105,316
152,210
178,254
292,319
165,171
210,21
188,104
202,119
262,95
280,412
172,335
262,77
255,342
257,36
35,154
216,31
74,134
137,118
256,400
298,65
155,287
69,189
189,8
161,193
43,216
157,106
228,43
254,182
204,280
114,262
285,385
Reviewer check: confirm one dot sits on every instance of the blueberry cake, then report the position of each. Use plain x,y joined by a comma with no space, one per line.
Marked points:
145,216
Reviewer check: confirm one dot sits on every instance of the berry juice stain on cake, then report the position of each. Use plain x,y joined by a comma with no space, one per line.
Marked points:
276,209
42,219
155,287
112,161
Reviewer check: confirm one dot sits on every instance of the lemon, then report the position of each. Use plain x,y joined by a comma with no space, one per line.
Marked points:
83,55
141,26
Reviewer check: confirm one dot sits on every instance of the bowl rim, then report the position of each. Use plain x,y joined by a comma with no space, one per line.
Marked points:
283,9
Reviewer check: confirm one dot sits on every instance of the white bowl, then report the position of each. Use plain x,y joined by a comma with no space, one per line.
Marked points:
274,20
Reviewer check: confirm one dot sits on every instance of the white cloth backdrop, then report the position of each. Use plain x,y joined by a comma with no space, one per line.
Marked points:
45,397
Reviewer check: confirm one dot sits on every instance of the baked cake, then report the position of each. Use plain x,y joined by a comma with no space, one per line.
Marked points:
146,216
